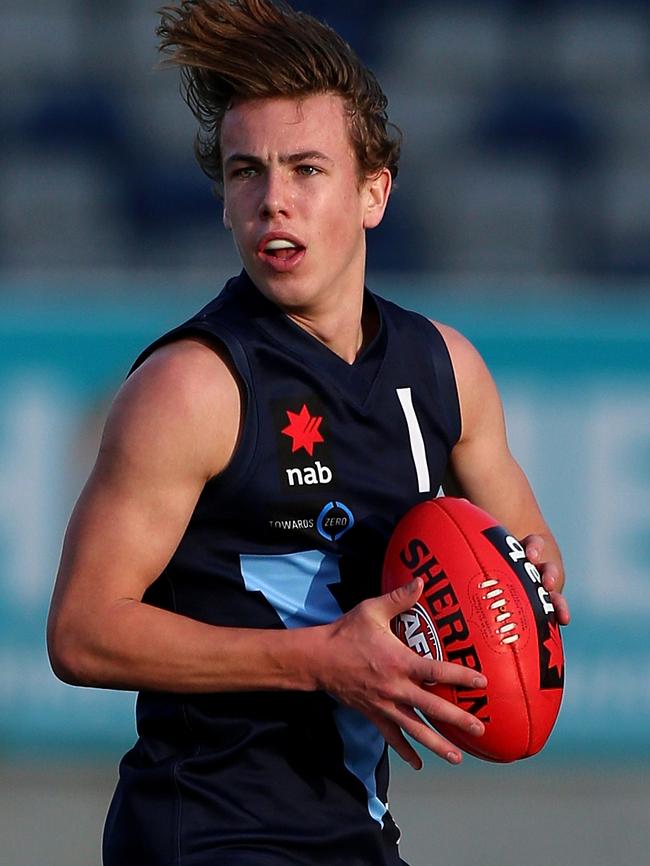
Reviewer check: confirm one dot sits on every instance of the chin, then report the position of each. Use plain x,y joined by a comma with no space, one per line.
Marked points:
285,290
288,298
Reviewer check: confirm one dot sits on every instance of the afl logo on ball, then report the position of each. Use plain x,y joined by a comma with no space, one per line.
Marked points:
415,628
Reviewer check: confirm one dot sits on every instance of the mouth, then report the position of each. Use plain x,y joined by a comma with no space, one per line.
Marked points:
281,253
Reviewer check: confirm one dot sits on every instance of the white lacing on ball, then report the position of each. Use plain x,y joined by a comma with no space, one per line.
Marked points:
508,630
487,583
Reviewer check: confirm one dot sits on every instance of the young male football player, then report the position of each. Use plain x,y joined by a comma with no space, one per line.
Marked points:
224,558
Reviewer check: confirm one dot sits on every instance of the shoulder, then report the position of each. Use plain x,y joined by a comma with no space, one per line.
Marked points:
477,391
464,355
192,365
183,400
469,367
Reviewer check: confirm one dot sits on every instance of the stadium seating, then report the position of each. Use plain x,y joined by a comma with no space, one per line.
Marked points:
526,128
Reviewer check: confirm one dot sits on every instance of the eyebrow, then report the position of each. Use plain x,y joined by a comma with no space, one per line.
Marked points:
285,159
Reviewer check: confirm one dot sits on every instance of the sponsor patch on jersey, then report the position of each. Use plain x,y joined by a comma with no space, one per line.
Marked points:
331,521
303,429
334,521
304,457
292,524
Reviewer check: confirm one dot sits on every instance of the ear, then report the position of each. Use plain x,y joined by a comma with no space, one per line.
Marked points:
226,219
377,191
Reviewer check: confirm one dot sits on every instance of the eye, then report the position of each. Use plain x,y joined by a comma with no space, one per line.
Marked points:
246,172
308,170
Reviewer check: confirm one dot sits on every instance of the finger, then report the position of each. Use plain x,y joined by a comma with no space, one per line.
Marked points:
561,607
438,710
550,574
533,546
400,599
393,735
450,673
409,721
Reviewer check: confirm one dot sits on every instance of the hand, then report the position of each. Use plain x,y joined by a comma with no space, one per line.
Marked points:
551,576
369,669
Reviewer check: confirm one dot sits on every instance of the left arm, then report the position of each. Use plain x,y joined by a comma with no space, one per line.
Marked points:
484,471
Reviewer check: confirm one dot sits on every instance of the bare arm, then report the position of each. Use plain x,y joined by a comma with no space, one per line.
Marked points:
173,426
483,469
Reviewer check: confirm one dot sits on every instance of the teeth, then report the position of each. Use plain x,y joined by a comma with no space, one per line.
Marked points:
280,244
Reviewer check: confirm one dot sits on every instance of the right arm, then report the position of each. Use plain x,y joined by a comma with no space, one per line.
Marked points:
174,425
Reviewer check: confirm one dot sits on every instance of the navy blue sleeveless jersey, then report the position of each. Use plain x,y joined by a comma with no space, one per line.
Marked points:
291,534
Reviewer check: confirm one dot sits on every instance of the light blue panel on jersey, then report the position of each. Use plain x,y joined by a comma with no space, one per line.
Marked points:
297,585
363,748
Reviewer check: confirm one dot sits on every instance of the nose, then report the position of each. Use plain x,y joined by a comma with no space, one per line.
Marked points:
275,198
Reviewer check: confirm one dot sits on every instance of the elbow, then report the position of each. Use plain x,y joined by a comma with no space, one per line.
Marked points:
69,657
64,662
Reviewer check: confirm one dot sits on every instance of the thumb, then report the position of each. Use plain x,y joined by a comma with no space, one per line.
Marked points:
402,597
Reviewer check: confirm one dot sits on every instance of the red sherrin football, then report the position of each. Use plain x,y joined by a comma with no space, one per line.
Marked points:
483,606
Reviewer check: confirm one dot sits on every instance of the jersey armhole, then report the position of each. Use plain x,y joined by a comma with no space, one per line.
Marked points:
446,375
222,341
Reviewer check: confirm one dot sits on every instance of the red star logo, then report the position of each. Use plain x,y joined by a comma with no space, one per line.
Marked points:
303,429
554,646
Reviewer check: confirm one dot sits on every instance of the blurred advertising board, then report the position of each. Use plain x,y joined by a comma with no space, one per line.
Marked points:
574,373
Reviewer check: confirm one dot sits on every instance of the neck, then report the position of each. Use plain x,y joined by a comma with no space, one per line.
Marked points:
344,331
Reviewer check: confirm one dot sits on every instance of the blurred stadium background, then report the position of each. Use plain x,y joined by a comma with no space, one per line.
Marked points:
522,217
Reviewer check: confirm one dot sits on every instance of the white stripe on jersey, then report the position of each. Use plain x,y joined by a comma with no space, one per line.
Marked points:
417,442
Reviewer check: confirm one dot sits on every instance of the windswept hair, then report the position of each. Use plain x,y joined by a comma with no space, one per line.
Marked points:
249,49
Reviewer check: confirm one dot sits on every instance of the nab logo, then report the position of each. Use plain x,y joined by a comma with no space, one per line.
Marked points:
304,430
316,474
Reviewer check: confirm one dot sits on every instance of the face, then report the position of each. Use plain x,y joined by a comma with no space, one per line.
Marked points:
294,202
